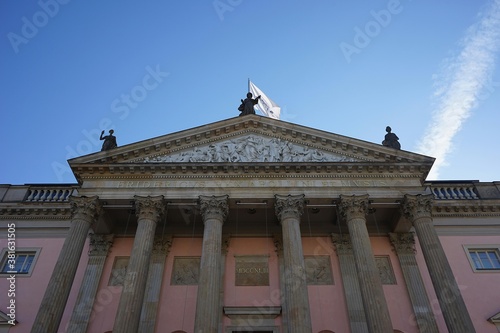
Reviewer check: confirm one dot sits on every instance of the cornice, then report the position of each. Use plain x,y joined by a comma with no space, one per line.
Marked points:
466,208
251,170
32,213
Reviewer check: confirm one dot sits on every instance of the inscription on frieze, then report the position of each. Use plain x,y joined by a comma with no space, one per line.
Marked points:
318,270
252,270
185,271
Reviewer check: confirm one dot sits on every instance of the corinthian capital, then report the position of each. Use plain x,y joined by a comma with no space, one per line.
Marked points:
150,208
355,206
342,243
86,208
403,243
214,207
416,206
100,244
289,206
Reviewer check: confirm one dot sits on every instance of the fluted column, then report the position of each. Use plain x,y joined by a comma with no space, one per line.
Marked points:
288,210
149,211
355,310
98,251
417,208
85,211
214,210
404,245
353,209
161,248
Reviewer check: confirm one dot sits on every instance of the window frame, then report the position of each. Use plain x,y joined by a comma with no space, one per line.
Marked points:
20,250
482,247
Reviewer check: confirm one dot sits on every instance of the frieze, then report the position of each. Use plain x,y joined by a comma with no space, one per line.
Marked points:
252,148
318,270
256,183
185,271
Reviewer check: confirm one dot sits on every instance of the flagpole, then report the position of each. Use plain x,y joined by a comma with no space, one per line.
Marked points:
248,85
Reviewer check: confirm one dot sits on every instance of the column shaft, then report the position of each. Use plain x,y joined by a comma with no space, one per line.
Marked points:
214,211
418,208
149,211
355,310
353,209
99,247
288,209
85,211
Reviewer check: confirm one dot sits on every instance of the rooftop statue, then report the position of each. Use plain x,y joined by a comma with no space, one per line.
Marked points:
246,106
391,139
109,141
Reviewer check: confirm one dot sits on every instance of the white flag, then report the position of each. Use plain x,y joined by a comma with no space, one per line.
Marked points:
266,105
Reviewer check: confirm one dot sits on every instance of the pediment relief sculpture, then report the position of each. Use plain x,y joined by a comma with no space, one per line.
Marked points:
252,148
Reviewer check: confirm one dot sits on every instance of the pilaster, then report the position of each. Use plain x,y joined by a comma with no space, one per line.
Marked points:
404,246
417,208
98,251
355,310
288,210
85,211
278,245
161,248
149,210
214,211
353,209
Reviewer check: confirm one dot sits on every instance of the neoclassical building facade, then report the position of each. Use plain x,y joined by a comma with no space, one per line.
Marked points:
251,224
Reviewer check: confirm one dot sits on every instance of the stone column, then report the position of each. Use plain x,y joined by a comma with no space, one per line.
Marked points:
355,310
278,244
149,211
161,248
99,248
353,209
404,245
417,208
85,211
214,210
288,210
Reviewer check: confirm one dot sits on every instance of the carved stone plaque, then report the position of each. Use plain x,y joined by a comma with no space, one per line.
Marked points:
252,270
385,269
118,271
318,270
186,271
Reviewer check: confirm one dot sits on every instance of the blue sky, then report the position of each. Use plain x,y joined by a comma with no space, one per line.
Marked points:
426,68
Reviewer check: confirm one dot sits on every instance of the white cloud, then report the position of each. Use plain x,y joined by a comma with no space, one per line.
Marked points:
460,84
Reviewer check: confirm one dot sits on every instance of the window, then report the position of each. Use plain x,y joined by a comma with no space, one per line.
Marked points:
484,257
21,262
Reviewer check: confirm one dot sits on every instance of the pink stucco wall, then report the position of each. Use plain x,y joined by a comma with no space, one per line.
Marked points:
480,290
30,290
328,306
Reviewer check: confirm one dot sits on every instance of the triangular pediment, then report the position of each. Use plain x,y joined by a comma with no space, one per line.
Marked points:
251,139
